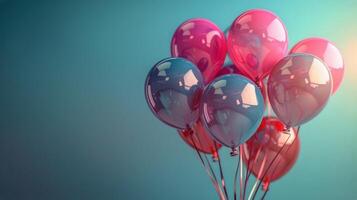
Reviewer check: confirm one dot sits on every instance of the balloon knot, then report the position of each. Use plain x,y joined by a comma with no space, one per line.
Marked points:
234,151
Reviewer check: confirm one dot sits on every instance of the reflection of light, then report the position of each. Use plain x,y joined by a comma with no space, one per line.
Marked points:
249,97
316,75
244,21
152,102
210,36
332,57
218,85
276,31
163,67
238,102
205,113
190,79
286,137
186,28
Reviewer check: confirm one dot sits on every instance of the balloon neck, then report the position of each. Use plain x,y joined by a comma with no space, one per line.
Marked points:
287,129
266,185
188,130
215,156
234,151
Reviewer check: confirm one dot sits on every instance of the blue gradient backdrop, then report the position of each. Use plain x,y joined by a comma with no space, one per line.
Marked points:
74,123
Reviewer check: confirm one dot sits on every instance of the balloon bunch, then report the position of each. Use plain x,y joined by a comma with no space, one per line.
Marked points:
213,105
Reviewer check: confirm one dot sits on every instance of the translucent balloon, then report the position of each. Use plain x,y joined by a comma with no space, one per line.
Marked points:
328,53
233,108
203,43
200,139
299,88
272,151
173,89
257,40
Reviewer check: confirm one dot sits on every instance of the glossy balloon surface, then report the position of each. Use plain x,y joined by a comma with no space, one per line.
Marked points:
232,69
233,108
173,89
257,40
203,43
328,53
272,151
200,139
299,88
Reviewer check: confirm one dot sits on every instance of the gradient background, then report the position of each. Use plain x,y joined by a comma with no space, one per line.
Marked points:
74,123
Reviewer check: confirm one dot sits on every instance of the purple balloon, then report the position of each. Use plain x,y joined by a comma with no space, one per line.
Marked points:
233,108
298,88
173,89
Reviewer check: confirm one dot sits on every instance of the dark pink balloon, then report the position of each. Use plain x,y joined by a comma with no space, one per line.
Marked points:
257,40
328,53
298,88
201,42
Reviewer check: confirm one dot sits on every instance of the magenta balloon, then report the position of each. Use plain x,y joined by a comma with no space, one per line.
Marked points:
328,53
298,88
257,40
201,42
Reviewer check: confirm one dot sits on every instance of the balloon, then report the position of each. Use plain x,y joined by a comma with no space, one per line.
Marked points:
173,89
200,139
257,40
299,88
272,151
328,53
233,108
203,43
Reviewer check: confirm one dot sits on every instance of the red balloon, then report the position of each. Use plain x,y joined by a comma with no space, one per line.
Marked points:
203,43
328,53
257,40
260,150
203,141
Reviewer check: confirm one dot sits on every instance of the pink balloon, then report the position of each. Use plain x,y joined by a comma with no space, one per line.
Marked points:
257,40
299,88
328,53
203,43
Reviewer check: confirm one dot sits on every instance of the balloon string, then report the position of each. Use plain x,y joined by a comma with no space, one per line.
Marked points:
265,193
241,173
211,176
221,172
247,175
257,180
210,167
235,178
287,150
270,164
253,189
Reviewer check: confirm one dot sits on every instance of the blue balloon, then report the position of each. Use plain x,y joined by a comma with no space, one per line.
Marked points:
173,89
232,109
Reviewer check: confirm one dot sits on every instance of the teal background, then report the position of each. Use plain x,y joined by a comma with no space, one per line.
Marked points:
74,123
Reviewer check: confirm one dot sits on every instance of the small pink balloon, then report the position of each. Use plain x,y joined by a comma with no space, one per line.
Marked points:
327,52
298,88
201,42
257,40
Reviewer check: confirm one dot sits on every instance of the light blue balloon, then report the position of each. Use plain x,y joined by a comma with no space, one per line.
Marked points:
232,109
